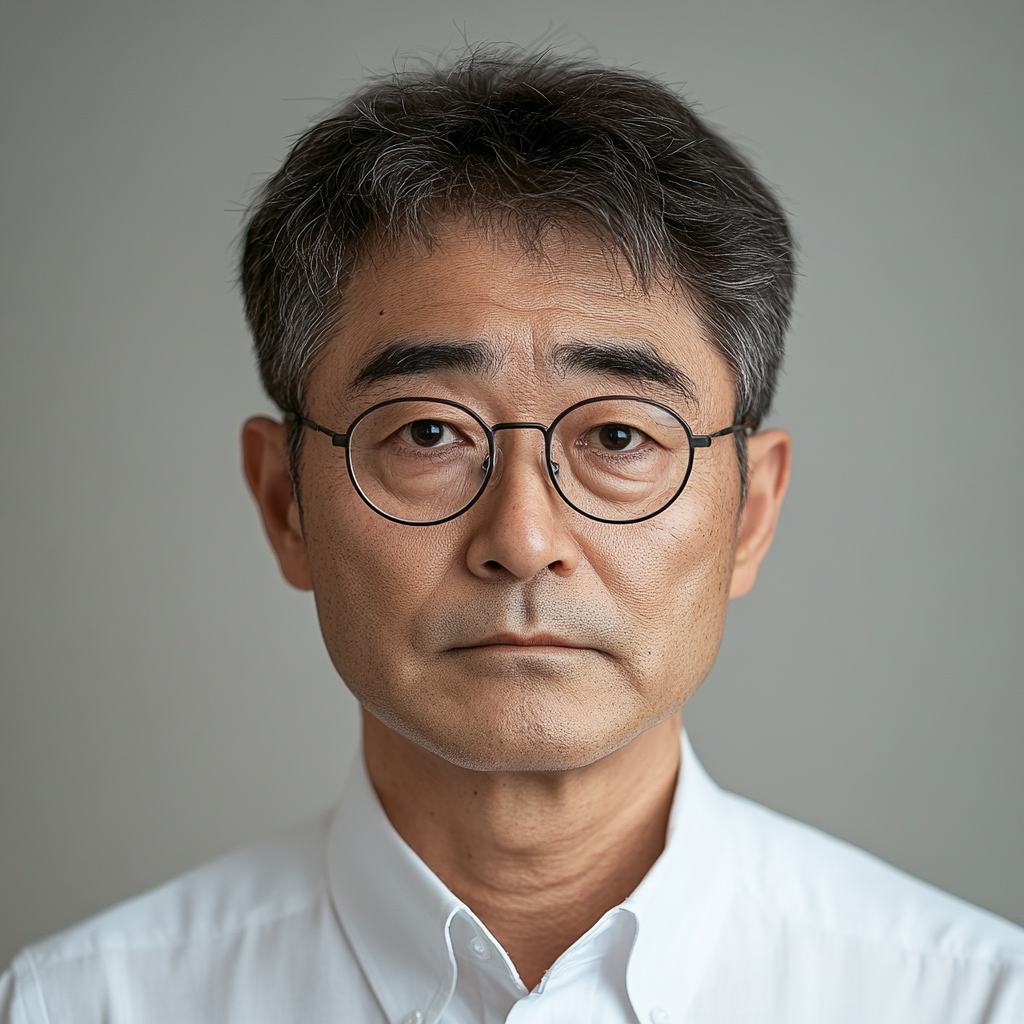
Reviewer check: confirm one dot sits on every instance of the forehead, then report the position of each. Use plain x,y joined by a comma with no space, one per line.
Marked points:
525,309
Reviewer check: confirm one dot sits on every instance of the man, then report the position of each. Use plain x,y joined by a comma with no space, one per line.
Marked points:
523,317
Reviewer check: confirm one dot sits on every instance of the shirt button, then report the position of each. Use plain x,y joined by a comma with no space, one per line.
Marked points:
479,947
413,1017
659,1016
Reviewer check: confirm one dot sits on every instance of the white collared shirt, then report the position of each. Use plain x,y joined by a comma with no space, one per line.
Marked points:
746,917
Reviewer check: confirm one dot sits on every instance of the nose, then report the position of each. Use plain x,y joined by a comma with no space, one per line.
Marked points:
520,524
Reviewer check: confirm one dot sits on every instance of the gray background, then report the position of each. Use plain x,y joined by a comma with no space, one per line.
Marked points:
166,697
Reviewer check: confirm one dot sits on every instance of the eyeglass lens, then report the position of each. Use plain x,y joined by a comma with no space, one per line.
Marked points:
615,459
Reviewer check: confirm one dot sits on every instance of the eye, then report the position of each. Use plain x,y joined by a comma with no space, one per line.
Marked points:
615,437
428,433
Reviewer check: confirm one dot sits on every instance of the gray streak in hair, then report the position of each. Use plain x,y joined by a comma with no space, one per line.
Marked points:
527,142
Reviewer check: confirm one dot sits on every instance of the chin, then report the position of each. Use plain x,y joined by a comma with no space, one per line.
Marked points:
524,738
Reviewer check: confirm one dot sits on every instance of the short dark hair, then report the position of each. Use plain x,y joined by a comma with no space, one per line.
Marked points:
535,141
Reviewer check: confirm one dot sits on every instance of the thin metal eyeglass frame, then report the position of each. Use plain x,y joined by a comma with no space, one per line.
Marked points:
341,440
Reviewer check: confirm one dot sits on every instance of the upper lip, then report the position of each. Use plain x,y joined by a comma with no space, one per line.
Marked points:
533,640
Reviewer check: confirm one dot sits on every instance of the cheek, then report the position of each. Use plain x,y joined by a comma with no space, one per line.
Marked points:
372,578
669,564
670,577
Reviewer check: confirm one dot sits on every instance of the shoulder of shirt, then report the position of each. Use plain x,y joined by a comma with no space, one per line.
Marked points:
247,889
814,881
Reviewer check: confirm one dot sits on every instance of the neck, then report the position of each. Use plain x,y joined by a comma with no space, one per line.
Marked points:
538,856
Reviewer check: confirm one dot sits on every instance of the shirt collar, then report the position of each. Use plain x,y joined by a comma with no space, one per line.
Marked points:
398,915
682,904
394,910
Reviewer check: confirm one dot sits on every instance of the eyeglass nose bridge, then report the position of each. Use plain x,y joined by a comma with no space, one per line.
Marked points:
550,466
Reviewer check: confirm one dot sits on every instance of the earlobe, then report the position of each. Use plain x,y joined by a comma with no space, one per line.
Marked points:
769,455
265,462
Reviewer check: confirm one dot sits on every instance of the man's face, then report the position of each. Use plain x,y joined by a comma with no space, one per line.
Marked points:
520,635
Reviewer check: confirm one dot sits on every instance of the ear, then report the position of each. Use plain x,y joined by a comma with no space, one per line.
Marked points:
768,460
265,460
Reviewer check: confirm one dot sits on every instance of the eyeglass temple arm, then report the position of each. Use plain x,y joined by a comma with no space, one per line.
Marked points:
338,440
704,440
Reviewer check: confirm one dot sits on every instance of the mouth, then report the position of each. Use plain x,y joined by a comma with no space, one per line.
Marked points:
540,643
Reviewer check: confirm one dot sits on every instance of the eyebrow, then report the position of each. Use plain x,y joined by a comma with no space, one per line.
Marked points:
636,361
408,358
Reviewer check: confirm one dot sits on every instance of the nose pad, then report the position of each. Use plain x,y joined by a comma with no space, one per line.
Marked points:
499,466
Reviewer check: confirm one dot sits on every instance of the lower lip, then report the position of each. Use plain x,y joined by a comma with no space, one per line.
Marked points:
527,648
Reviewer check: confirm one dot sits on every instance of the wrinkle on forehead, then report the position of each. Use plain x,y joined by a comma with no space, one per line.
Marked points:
475,305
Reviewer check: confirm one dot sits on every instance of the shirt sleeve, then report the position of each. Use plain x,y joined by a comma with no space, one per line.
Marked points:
1007,1001
14,998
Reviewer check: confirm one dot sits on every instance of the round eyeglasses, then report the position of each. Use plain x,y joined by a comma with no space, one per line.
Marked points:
424,461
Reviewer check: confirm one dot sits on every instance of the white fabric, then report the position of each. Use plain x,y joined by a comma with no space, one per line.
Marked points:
746,917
